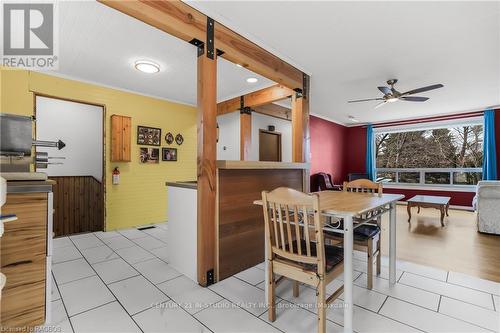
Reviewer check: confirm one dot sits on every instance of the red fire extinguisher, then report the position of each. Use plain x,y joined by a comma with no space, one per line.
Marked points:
116,176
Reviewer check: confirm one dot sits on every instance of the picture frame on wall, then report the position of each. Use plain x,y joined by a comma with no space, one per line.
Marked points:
150,136
169,154
149,155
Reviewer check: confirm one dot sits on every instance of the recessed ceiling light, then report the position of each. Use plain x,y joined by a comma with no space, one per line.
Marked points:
354,120
146,66
252,80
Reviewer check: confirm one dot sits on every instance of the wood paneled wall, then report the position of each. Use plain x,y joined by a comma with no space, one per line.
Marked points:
241,223
78,205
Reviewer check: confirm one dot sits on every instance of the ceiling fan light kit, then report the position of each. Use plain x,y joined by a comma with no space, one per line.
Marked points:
392,95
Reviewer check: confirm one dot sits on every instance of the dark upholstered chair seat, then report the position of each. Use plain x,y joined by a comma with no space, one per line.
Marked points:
334,255
361,233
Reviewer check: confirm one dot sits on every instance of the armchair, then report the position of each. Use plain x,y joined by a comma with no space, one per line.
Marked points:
487,205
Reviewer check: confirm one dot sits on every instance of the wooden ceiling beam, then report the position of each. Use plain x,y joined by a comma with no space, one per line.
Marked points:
254,99
182,21
274,110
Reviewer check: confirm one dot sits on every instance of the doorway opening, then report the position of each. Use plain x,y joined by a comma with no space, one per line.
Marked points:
78,170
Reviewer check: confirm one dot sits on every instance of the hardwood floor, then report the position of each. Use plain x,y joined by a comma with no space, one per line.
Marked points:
456,247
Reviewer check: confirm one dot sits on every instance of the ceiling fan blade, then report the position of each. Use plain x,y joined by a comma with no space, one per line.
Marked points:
414,98
365,100
380,104
419,90
385,90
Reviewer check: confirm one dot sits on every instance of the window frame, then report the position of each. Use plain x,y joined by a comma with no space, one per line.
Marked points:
472,121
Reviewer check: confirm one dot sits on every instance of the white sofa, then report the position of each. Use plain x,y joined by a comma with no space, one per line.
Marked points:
487,205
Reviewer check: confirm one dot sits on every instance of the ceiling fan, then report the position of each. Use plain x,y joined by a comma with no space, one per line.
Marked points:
392,95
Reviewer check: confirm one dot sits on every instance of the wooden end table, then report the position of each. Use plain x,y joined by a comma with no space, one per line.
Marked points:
428,201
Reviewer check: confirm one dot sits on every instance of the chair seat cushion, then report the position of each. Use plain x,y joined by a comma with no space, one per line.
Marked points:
361,233
334,255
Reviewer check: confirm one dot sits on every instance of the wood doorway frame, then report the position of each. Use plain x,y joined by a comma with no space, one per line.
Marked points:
103,106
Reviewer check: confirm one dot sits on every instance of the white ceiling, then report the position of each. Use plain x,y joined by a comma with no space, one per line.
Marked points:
350,48
99,44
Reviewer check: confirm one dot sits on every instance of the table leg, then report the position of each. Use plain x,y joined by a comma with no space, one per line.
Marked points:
266,279
408,209
447,209
392,244
348,274
442,209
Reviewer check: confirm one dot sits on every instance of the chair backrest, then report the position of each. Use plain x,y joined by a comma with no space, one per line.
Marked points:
325,181
293,225
363,186
354,176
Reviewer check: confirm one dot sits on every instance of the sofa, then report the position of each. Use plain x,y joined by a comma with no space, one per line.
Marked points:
487,206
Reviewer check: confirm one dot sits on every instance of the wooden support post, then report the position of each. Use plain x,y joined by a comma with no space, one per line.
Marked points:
300,124
207,136
245,135
300,129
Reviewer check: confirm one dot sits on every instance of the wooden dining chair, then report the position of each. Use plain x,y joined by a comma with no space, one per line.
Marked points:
296,249
367,237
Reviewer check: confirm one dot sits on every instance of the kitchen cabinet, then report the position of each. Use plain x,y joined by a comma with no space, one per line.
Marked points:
121,138
25,261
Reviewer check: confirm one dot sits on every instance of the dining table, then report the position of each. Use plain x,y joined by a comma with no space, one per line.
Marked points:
356,209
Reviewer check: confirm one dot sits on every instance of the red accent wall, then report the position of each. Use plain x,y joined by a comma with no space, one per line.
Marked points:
356,150
457,198
328,148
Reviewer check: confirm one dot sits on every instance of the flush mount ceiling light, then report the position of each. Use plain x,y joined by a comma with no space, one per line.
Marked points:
252,80
146,66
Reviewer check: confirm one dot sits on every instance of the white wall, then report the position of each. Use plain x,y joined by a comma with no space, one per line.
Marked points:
260,121
80,127
228,147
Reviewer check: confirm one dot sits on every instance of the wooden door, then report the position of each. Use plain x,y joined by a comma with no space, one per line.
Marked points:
269,146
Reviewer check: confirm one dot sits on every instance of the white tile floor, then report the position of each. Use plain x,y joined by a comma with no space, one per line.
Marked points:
121,282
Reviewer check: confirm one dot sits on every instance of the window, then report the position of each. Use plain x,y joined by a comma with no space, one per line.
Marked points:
446,154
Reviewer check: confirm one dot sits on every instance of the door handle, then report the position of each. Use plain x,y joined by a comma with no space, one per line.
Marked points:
22,262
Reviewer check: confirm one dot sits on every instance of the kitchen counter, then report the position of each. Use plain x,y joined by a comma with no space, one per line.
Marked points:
30,186
230,164
192,184
182,227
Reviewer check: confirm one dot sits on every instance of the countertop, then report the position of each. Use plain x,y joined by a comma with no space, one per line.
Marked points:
222,164
30,186
192,184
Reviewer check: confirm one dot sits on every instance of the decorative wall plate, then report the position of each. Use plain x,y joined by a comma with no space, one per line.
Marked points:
179,139
169,138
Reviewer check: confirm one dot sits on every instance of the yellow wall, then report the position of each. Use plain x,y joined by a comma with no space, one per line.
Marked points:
141,197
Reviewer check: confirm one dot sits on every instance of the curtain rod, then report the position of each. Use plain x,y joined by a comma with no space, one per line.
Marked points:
428,119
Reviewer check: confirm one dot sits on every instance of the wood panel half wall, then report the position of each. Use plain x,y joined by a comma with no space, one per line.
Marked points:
78,205
240,222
